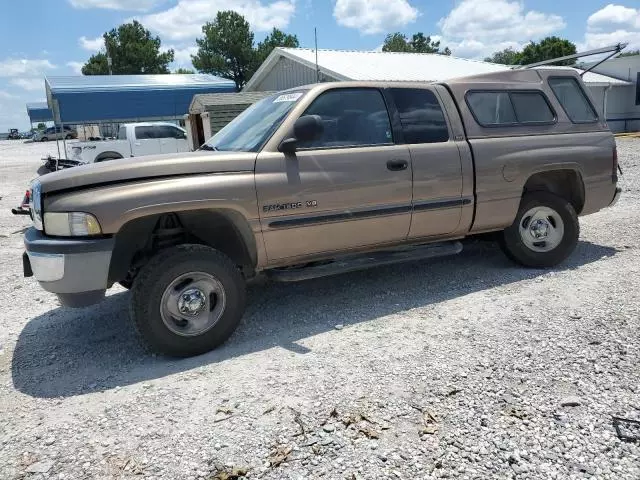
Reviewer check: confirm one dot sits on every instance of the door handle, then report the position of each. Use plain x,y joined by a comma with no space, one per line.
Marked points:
397,165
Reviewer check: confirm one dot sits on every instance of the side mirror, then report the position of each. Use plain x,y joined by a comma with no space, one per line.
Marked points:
288,145
306,129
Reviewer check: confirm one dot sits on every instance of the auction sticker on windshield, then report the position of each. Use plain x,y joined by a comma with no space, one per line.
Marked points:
288,97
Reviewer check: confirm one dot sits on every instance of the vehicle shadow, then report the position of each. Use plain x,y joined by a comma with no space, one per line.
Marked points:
67,352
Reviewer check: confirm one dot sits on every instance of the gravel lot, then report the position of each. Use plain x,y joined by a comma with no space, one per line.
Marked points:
464,367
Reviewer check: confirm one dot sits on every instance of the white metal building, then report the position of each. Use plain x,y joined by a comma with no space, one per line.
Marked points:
292,67
623,104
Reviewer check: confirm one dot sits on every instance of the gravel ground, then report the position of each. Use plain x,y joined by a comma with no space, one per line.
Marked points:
464,367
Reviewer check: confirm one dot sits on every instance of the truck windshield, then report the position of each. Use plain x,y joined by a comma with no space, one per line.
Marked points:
250,130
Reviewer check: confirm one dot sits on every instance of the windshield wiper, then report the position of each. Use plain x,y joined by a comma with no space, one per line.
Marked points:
208,147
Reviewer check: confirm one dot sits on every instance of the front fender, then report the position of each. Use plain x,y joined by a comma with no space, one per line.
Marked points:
117,204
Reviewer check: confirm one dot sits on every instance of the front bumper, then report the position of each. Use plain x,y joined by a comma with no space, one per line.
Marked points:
616,196
74,269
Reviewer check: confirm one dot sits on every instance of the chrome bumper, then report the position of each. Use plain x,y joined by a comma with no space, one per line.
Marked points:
46,267
76,270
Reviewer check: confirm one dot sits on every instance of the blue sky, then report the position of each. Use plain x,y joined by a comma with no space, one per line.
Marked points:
54,37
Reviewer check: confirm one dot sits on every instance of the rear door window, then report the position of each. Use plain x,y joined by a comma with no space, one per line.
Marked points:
177,133
165,131
351,117
531,107
492,108
573,99
421,115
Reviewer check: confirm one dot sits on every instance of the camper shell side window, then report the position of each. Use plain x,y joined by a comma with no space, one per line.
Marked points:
573,99
510,108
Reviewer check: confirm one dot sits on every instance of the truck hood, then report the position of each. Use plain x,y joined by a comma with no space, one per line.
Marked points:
126,169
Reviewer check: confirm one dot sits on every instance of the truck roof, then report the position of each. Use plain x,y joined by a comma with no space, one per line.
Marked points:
506,77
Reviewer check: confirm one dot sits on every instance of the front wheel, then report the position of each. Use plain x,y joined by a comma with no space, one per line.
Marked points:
44,139
544,233
187,300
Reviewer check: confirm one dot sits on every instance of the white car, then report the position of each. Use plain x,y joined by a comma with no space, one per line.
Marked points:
134,140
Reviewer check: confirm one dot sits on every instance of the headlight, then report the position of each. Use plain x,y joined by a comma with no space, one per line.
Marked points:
35,204
71,224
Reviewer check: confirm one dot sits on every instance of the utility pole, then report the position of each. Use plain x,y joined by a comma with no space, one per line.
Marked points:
109,60
315,34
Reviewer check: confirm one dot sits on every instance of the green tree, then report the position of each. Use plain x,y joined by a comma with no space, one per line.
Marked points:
508,56
41,126
421,44
398,42
133,51
547,49
631,53
276,38
183,71
226,49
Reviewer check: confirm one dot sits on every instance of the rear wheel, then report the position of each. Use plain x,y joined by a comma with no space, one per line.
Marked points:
68,137
187,300
44,139
544,233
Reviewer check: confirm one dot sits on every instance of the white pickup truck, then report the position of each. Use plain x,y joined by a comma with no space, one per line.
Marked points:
134,139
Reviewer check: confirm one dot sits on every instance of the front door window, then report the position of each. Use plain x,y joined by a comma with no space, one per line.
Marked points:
351,117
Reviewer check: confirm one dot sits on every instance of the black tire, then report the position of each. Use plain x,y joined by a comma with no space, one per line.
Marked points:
156,277
512,243
44,139
68,137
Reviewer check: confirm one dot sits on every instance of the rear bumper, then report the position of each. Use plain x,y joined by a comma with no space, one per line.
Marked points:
599,194
74,269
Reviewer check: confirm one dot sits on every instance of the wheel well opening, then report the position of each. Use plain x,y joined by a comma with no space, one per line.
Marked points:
140,239
566,184
108,155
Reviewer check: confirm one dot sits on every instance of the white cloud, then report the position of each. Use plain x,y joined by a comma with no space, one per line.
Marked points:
611,25
182,55
374,16
184,21
477,28
23,67
137,5
91,44
30,84
615,16
76,67
12,106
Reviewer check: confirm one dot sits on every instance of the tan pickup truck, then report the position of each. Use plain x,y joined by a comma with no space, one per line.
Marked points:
321,180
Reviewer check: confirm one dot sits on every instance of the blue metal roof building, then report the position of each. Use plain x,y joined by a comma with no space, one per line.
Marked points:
39,112
125,98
